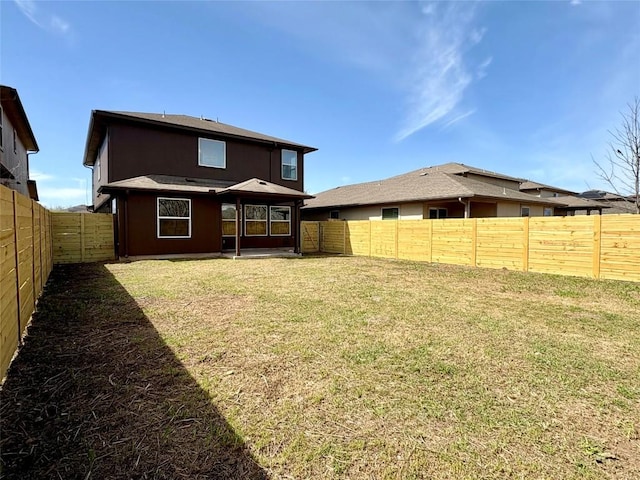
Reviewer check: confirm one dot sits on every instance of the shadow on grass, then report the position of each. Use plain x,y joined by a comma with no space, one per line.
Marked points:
95,393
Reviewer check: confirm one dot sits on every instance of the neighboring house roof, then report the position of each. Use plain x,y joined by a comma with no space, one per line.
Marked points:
419,185
99,119
174,184
576,203
460,169
603,195
14,110
529,185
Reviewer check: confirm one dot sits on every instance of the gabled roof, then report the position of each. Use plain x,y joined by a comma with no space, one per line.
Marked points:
462,169
100,119
14,111
174,184
419,185
577,203
529,185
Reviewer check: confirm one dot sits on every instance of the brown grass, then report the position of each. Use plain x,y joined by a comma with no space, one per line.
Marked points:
354,368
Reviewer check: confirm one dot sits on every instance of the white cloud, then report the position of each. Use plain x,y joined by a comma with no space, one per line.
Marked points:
46,21
576,2
39,176
439,74
458,118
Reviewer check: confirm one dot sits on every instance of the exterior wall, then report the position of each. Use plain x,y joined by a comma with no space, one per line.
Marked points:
137,226
509,209
483,210
16,162
407,211
100,174
135,151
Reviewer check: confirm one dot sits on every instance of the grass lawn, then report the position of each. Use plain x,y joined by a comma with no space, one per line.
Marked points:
339,367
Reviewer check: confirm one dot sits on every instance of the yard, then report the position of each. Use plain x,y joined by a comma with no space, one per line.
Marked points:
324,367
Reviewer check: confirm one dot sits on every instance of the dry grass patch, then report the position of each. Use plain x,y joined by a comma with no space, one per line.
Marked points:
343,367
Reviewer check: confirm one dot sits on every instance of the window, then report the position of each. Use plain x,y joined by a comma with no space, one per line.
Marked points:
437,213
174,218
289,165
524,211
212,153
334,214
390,213
255,220
280,221
228,220
548,211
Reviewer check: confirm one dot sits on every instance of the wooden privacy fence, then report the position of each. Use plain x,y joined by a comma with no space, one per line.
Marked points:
82,237
598,246
25,265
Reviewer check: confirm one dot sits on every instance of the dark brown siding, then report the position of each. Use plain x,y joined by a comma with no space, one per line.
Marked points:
135,151
141,221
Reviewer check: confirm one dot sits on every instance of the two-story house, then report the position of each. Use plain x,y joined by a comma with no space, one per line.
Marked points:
16,143
180,184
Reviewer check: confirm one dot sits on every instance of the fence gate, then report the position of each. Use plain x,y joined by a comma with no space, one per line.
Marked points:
310,237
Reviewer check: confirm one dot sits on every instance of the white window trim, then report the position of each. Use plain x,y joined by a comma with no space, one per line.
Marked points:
266,221
389,208
229,220
282,164
280,221
158,218
224,153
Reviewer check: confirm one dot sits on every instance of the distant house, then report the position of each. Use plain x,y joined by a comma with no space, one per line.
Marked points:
451,190
181,184
16,143
616,203
570,202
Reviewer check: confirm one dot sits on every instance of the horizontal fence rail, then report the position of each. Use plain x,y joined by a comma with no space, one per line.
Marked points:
25,264
597,246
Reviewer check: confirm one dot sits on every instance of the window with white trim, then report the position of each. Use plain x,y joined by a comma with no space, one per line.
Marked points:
174,217
289,165
390,213
255,220
435,213
212,153
228,220
280,221
525,211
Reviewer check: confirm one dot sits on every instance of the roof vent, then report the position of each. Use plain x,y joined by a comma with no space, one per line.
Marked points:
424,174
189,180
262,183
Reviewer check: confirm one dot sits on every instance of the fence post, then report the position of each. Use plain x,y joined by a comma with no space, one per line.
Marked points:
17,261
597,237
474,241
525,244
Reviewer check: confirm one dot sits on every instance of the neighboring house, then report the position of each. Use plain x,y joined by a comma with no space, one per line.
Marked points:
181,184
570,202
615,203
16,143
451,190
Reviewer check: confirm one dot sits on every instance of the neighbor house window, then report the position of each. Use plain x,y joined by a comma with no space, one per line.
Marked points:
228,220
334,214
255,220
289,165
548,212
212,153
174,218
435,213
280,220
524,211
390,213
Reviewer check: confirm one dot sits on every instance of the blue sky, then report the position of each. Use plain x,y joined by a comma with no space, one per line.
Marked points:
523,88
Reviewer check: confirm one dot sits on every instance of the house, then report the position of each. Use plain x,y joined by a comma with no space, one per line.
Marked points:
17,142
443,191
570,202
180,184
616,203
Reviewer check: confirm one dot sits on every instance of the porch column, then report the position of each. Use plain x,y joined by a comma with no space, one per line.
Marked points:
238,220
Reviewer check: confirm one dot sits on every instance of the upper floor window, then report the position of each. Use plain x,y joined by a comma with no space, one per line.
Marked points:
212,153
390,213
174,217
289,165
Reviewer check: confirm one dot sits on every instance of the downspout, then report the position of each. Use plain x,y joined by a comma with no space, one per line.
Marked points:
238,218
466,206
